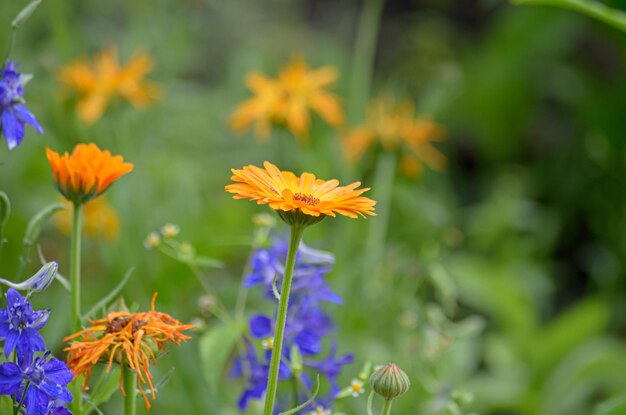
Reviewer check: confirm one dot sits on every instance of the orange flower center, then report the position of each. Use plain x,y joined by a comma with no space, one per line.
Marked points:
119,323
306,199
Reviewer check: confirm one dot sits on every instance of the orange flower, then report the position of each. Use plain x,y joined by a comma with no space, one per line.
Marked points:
105,79
304,199
87,172
129,339
287,100
395,127
101,219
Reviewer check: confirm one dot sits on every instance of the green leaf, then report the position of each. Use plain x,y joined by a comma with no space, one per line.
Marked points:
615,406
25,13
303,405
600,11
215,347
5,209
106,386
370,400
206,262
101,305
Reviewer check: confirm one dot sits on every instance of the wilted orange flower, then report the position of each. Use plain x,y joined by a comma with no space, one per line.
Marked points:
286,192
100,219
395,127
99,82
129,339
288,99
87,172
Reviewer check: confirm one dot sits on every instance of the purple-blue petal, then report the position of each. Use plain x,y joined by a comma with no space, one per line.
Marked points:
57,371
25,115
12,129
260,326
10,378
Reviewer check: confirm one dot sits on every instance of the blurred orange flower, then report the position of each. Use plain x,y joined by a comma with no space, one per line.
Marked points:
99,82
100,220
286,192
288,99
395,127
129,339
87,172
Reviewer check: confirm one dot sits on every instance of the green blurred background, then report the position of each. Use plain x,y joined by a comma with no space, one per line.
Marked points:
501,288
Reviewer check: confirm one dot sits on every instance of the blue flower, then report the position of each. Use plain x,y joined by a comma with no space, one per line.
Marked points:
20,325
331,366
13,112
45,380
57,407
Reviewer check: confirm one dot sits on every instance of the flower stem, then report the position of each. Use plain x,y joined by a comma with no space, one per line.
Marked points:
130,387
377,231
19,407
75,267
281,318
363,58
387,407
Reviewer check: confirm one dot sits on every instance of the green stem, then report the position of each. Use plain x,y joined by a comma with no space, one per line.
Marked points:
595,9
130,387
58,20
75,266
277,350
19,407
75,245
387,407
377,230
363,58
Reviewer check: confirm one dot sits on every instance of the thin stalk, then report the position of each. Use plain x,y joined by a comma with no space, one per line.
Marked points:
387,407
17,408
281,318
130,387
377,230
75,245
75,267
363,58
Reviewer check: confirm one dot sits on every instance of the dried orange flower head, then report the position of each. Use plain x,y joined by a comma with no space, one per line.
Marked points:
97,83
131,340
288,100
395,127
87,172
299,200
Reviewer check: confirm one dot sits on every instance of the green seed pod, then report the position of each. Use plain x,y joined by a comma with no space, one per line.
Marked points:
390,381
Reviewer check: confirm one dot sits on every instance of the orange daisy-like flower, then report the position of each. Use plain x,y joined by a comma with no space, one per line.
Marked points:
99,82
129,339
394,126
299,200
288,99
87,172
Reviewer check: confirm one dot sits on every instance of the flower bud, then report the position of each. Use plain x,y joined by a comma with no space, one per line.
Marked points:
390,381
38,282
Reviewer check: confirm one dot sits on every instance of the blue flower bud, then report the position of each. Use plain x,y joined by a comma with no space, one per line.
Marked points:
38,282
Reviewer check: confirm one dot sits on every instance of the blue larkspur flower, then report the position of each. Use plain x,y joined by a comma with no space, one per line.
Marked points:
45,380
57,407
306,327
20,325
13,112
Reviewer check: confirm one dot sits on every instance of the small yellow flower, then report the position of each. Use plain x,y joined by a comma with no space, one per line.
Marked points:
320,410
152,240
267,344
170,230
100,219
288,100
99,82
394,126
356,387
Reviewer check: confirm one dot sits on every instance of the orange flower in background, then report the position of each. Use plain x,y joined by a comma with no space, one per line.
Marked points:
394,126
288,100
101,221
99,82
87,172
286,192
129,339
